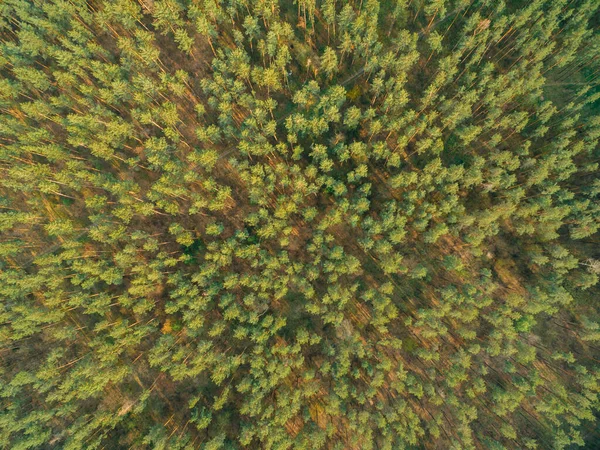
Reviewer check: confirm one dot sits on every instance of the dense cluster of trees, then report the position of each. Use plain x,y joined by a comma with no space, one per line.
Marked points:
299,224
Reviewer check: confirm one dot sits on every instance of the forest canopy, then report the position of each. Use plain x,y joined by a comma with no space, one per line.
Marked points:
299,224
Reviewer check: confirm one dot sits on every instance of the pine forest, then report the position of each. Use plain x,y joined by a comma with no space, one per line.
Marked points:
299,224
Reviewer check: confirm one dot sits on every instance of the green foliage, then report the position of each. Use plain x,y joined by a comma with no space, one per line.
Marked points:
299,225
